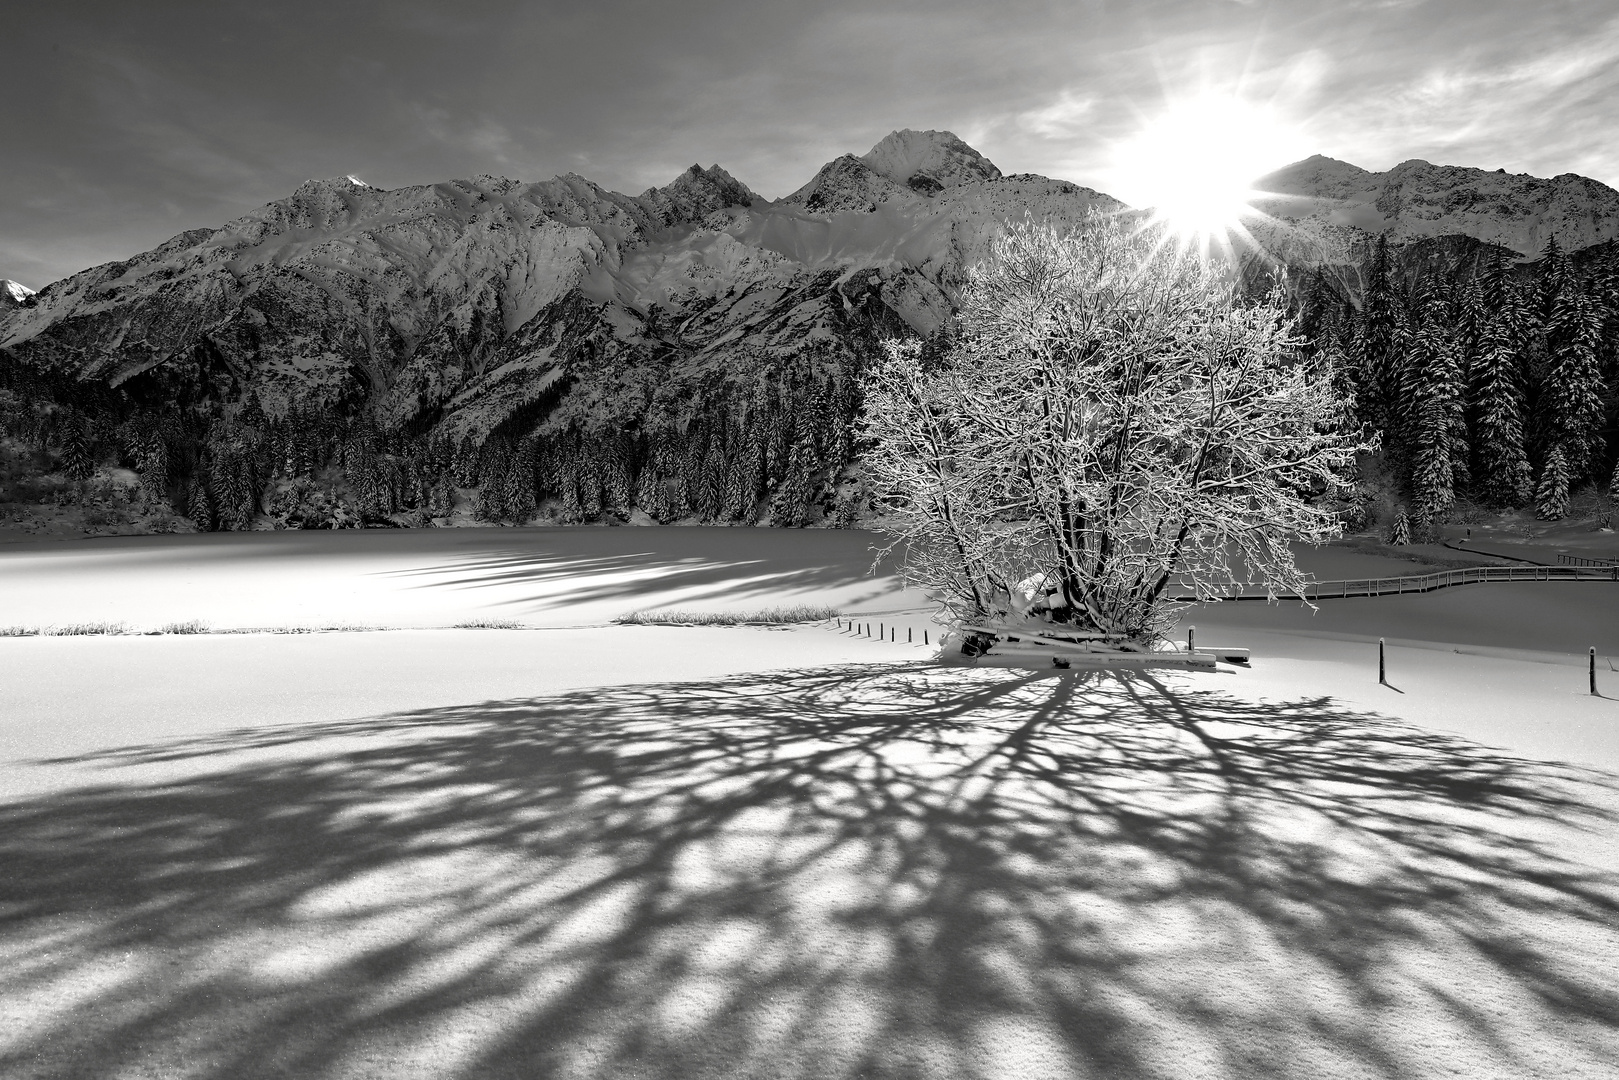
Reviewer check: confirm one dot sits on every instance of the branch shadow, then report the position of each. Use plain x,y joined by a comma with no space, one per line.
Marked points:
700,563
839,872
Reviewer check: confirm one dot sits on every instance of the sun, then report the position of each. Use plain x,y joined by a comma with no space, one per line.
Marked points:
1194,164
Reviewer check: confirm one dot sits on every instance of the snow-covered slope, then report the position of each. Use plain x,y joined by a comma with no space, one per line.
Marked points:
1416,199
462,302
927,161
13,293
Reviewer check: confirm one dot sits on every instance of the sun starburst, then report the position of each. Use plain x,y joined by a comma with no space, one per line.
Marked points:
1193,165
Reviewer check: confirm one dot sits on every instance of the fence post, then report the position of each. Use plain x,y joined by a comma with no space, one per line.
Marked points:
908,637
1191,639
1594,672
924,637
1382,671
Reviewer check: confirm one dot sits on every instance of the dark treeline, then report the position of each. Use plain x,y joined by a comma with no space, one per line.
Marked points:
763,440
1488,379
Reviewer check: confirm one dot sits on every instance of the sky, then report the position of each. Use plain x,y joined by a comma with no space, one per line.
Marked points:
125,123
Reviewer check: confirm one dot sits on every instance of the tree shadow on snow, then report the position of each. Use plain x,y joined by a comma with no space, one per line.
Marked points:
701,563
876,872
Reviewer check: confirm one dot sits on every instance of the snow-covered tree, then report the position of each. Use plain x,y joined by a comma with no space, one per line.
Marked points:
76,461
1501,465
1376,346
1400,531
1571,396
1434,425
1109,417
1551,494
199,508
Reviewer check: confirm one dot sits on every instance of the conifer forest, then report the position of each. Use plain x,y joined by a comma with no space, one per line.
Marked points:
1489,380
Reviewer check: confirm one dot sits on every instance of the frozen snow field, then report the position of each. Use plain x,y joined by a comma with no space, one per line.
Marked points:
594,851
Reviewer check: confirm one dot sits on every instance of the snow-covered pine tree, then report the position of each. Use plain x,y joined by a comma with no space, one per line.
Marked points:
152,460
1500,459
1400,532
711,489
441,496
1472,312
199,507
230,488
1433,427
780,436
1572,394
243,488
1376,351
679,487
493,465
738,494
1551,494
590,479
518,490
789,509
464,463
572,509
616,489
649,491
220,467
76,462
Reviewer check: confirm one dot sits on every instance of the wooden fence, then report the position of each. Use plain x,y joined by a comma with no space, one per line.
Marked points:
1576,560
1420,583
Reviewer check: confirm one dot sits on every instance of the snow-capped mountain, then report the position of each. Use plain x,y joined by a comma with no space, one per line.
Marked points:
13,293
1416,200
905,163
460,304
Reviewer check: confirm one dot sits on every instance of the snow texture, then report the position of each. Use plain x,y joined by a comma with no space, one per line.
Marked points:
615,851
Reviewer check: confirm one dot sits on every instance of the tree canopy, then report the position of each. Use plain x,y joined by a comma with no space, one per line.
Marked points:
1109,416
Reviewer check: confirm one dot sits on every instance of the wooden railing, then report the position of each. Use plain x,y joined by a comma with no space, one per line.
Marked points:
1420,583
1576,560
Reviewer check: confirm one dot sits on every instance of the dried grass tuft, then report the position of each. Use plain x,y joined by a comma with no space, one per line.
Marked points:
794,613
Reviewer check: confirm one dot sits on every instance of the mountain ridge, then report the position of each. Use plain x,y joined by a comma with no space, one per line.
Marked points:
458,302
1417,199
688,351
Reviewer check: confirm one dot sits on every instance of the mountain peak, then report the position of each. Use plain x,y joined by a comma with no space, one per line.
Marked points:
1313,174
349,181
695,193
13,292
928,161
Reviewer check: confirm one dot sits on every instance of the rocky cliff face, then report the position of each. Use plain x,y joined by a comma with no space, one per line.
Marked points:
1417,200
458,305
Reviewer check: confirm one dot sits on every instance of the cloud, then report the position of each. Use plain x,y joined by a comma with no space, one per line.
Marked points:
145,119
1058,117
1541,107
